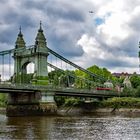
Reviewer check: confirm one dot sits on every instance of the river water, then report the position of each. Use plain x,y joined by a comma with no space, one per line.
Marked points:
87,127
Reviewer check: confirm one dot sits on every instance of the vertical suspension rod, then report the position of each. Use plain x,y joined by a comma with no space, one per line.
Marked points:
9,65
3,67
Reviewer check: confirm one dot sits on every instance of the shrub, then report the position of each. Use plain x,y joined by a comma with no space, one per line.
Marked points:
60,100
3,99
72,102
137,91
129,92
122,102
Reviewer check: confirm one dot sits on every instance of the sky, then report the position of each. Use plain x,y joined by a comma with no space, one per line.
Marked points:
108,37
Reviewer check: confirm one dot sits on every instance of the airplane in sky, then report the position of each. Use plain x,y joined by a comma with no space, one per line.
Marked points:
91,12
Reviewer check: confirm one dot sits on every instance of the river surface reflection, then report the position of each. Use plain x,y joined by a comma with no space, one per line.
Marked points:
69,128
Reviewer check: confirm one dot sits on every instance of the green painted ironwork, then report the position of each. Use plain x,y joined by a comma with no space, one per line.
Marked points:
59,91
74,65
71,75
38,54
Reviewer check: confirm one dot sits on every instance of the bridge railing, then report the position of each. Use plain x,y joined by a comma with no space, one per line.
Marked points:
57,89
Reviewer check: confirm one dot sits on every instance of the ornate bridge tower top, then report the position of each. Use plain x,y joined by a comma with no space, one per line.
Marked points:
20,40
40,38
36,54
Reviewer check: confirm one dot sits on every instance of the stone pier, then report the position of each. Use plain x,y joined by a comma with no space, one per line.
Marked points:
31,104
47,104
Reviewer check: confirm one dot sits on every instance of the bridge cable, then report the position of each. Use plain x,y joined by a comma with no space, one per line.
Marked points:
75,65
73,76
51,75
3,66
61,64
39,64
9,65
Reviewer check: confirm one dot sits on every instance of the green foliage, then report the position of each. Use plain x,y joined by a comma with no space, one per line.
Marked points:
116,102
40,80
70,75
55,80
137,92
135,80
42,77
23,78
61,78
106,74
123,102
52,75
79,83
96,70
60,100
129,92
29,79
80,73
102,72
68,78
72,102
3,99
67,101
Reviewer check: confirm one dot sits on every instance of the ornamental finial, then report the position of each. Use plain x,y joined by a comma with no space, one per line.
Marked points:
20,29
40,25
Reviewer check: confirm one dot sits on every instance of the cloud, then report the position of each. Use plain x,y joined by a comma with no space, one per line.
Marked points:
108,37
116,37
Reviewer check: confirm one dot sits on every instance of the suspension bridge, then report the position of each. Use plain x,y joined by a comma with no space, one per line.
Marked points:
52,75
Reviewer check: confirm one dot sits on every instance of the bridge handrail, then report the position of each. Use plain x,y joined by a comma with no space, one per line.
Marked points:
57,89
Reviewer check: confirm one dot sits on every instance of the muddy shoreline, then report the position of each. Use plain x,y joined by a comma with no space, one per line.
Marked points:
2,110
100,112
76,111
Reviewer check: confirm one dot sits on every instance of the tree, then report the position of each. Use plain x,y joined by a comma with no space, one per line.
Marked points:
135,80
97,71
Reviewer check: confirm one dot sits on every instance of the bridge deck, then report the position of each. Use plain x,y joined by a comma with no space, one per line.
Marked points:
58,91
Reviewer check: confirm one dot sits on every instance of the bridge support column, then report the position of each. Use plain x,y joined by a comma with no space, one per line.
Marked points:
31,104
47,104
22,104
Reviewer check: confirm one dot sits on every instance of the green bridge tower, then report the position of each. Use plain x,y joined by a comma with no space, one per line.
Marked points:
36,103
36,54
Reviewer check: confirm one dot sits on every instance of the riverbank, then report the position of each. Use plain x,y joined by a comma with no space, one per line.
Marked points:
113,106
2,110
77,111
74,111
